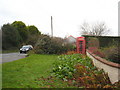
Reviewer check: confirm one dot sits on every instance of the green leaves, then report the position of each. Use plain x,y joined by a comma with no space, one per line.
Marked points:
78,70
33,30
22,29
64,66
50,45
16,34
10,36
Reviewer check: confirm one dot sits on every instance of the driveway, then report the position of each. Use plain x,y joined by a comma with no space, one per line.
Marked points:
8,57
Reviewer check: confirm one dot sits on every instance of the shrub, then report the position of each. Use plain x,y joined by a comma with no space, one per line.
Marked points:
112,53
71,52
51,45
89,78
78,70
99,52
10,37
64,67
93,43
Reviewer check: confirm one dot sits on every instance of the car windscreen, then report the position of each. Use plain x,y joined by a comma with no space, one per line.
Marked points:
25,47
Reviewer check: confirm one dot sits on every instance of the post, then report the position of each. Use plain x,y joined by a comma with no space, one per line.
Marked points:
51,27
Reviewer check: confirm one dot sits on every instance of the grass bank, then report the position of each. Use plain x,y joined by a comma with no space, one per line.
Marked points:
24,72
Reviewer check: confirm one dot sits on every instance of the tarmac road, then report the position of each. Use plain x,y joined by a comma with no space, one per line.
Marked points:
8,57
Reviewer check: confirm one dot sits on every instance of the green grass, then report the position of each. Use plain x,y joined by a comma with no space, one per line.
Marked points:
25,73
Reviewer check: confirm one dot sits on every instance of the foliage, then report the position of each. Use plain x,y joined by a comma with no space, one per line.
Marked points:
79,71
31,72
33,30
51,45
64,67
112,53
43,45
99,53
93,42
105,47
104,41
52,82
70,52
34,72
90,78
33,35
22,29
10,37
17,34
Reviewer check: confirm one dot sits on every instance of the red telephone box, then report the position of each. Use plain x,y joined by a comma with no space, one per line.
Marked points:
80,44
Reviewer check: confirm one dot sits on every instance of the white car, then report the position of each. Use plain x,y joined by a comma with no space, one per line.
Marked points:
26,48
31,47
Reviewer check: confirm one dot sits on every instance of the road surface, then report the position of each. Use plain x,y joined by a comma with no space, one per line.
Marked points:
8,57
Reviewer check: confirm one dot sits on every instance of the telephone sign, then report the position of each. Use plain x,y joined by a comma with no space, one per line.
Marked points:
80,44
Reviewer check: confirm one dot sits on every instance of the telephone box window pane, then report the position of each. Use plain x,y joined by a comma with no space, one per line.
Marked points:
81,42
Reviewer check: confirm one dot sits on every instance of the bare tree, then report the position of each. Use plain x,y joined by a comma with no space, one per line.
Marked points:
97,29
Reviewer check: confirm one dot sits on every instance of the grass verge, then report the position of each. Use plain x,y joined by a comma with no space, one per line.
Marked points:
24,72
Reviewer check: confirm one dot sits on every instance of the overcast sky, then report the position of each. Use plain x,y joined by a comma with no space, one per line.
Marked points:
68,15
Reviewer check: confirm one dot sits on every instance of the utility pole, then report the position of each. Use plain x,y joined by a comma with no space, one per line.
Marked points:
51,26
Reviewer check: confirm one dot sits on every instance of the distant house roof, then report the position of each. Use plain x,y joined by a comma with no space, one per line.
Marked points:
71,39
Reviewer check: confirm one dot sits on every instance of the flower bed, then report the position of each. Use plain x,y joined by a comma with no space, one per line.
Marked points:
78,70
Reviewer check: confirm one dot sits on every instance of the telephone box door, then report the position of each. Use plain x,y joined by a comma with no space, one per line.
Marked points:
80,45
